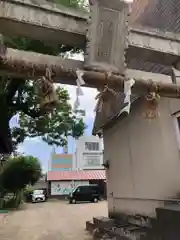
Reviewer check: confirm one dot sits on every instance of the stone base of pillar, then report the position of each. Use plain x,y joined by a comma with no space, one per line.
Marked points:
164,227
168,219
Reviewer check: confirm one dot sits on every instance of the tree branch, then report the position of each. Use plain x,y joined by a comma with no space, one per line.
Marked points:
24,107
30,112
13,86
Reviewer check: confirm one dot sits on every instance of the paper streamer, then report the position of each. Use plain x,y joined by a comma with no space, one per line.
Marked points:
76,104
127,91
79,91
80,79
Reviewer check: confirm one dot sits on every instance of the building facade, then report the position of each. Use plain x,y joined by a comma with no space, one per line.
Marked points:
61,162
143,171
88,153
83,167
41,183
61,183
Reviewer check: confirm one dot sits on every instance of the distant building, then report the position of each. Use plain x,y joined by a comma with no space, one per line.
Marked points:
61,183
88,153
84,167
41,183
61,162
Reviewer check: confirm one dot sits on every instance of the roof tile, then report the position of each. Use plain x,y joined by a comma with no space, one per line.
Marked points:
76,175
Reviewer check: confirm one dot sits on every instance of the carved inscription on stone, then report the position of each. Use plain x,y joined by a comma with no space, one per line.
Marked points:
108,22
107,37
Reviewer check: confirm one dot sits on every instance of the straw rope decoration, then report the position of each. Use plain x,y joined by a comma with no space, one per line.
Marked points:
46,91
152,101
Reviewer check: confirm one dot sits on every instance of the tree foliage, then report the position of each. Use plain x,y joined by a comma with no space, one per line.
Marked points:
76,4
18,172
18,96
53,127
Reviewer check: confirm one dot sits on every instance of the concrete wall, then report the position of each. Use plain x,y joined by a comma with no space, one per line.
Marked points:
80,152
61,188
144,161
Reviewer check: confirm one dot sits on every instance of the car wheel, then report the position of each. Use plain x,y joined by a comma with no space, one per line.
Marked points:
95,200
73,201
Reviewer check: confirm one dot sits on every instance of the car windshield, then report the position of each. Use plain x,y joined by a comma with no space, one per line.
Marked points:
74,189
37,192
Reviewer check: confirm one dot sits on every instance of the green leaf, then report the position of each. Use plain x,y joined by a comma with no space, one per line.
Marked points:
18,172
52,128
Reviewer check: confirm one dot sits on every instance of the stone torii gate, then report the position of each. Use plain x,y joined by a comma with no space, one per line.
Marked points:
62,25
67,26
110,46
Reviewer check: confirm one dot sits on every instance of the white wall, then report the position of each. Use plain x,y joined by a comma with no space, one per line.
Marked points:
144,162
65,187
78,159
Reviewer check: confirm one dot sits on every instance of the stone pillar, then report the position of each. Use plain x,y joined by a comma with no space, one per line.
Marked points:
168,219
107,36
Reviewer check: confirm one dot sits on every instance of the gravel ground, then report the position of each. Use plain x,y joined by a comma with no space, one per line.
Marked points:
52,220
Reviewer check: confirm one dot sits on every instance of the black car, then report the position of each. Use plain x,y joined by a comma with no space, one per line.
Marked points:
89,193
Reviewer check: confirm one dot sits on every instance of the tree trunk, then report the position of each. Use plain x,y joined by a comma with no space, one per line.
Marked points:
2,194
5,133
18,198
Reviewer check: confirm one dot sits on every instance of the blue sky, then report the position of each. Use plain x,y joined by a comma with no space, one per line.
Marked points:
37,148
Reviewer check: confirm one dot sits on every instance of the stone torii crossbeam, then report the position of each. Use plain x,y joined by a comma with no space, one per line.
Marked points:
68,26
110,44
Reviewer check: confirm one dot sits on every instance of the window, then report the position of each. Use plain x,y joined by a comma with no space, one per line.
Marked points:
38,192
92,159
92,146
83,189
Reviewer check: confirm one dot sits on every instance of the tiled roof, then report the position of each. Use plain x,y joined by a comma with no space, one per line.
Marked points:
102,117
160,14
77,175
138,7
